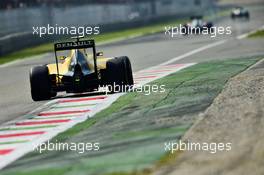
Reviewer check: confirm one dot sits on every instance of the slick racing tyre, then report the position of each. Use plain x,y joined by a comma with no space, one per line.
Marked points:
247,16
40,83
129,73
119,73
185,30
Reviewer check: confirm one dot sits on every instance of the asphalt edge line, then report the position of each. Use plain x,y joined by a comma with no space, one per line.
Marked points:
245,35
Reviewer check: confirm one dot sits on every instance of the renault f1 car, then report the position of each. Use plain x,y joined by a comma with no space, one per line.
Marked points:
78,68
239,12
197,26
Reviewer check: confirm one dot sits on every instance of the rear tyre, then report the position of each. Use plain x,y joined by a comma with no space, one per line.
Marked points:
184,30
233,16
247,16
119,74
40,83
128,71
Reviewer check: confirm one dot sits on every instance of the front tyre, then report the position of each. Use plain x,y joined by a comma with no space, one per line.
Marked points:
40,83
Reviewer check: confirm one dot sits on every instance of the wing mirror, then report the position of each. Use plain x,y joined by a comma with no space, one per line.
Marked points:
99,54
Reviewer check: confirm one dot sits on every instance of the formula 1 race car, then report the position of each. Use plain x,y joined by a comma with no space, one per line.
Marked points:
240,12
78,68
197,26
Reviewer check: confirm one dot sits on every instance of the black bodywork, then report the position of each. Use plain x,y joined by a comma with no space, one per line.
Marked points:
240,12
196,26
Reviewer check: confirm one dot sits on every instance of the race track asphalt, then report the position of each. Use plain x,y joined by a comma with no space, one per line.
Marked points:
146,51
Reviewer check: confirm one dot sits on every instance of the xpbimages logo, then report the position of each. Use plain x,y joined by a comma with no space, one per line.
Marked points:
195,146
144,89
65,30
71,146
212,31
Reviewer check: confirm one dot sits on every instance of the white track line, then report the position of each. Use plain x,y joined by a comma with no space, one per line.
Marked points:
21,60
208,47
194,52
247,34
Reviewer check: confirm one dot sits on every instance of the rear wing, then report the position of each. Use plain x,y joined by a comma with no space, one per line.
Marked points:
74,45
79,44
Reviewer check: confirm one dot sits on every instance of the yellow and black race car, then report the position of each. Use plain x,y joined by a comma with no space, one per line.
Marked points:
79,68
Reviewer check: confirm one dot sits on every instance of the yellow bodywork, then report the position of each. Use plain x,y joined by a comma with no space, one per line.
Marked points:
65,64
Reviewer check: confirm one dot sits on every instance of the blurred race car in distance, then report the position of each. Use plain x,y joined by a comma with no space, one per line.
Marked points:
240,12
78,68
197,26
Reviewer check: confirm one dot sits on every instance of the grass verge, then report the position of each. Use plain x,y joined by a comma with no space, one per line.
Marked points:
257,34
132,131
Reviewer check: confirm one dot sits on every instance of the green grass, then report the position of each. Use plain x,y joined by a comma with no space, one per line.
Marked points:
26,53
102,38
257,34
150,133
133,129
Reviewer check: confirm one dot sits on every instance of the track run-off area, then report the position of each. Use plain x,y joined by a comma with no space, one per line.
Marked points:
23,134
